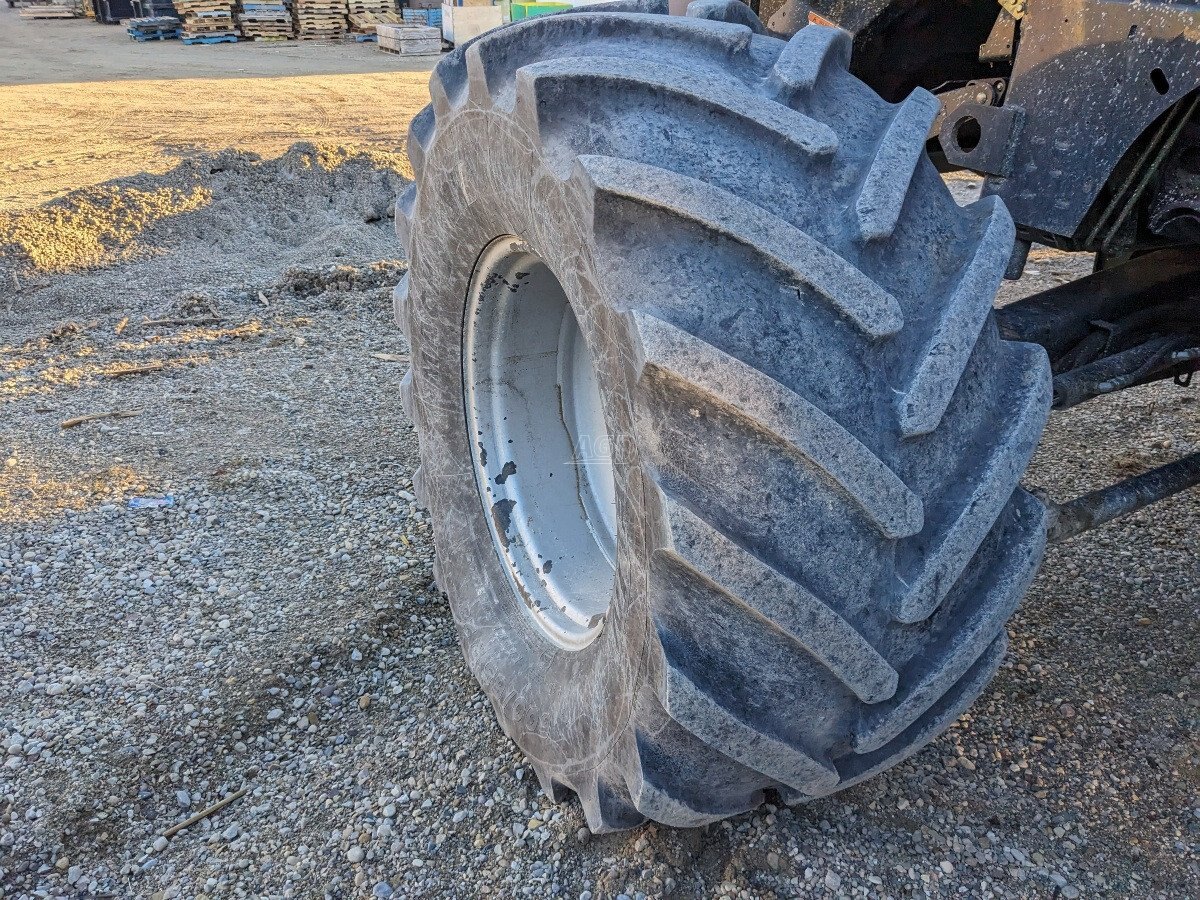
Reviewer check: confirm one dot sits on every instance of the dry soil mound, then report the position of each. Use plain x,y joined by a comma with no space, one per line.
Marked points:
216,224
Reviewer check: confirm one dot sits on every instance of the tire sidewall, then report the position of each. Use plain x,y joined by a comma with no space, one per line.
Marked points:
567,709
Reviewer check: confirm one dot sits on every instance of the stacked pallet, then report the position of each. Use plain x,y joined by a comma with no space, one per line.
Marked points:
265,21
207,21
362,24
430,17
153,28
409,40
376,7
317,19
51,9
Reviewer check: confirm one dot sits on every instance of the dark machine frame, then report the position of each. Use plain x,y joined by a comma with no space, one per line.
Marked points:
1081,114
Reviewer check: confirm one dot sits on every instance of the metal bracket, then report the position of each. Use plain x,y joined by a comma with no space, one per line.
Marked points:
989,92
1001,41
976,136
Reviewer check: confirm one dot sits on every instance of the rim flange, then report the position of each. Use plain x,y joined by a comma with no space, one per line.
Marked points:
544,420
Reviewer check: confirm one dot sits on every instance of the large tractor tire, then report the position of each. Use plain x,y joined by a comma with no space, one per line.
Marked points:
719,439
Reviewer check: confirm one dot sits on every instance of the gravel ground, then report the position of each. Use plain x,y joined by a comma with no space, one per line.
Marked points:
273,636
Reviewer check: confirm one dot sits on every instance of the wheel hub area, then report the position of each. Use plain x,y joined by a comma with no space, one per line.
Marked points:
540,448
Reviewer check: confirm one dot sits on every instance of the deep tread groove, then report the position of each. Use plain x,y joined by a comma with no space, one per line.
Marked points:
662,791
778,122
420,137
808,620
404,214
945,563
937,718
551,786
945,356
613,811
801,257
885,188
715,725
976,627
448,83
863,477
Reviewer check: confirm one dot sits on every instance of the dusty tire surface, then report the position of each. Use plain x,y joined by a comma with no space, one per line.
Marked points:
816,432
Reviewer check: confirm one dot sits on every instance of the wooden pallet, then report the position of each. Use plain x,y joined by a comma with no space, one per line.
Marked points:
202,10
417,48
223,14
319,19
49,12
192,29
365,23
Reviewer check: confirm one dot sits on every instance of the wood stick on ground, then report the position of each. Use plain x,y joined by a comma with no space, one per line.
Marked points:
199,320
95,417
205,813
135,370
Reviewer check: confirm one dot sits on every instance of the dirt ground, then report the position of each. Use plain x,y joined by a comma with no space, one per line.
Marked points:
81,103
269,624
